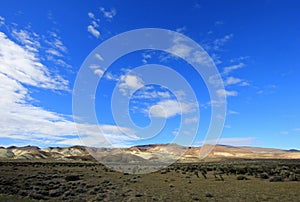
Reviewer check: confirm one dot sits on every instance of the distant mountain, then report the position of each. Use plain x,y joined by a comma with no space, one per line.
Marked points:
142,153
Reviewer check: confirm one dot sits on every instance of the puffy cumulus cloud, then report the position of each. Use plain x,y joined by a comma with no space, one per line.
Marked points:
91,15
180,47
170,108
92,30
232,80
128,84
93,27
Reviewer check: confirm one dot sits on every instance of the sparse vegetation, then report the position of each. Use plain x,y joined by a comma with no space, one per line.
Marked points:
91,181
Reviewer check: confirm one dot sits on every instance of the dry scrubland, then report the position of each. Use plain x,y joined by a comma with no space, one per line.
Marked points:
240,180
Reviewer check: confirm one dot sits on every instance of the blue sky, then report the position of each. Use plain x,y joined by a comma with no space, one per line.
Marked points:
255,46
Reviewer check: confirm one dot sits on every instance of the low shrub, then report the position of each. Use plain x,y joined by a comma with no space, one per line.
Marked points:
241,177
276,179
264,175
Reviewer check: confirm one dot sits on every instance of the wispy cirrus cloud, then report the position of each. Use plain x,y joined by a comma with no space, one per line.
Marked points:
220,42
216,44
23,65
22,68
232,112
232,68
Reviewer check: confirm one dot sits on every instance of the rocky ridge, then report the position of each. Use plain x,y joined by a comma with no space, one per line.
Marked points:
144,153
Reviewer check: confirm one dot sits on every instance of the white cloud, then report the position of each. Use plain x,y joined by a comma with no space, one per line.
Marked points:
146,57
91,29
146,94
231,68
170,108
227,81
219,22
216,80
99,72
95,24
94,66
62,63
108,13
180,94
2,21
181,48
99,57
221,41
245,83
232,80
19,66
239,59
27,123
57,43
54,52
181,29
91,15
26,38
296,129
129,84
231,112
55,49
284,132
175,132
215,103
111,77
24,66
191,120
216,58
223,92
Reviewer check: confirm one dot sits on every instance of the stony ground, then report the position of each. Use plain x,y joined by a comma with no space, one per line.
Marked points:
90,181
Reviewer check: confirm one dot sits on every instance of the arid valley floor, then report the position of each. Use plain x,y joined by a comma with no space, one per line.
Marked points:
223,180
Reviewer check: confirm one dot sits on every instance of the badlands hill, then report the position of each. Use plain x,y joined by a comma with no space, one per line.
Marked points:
144,153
